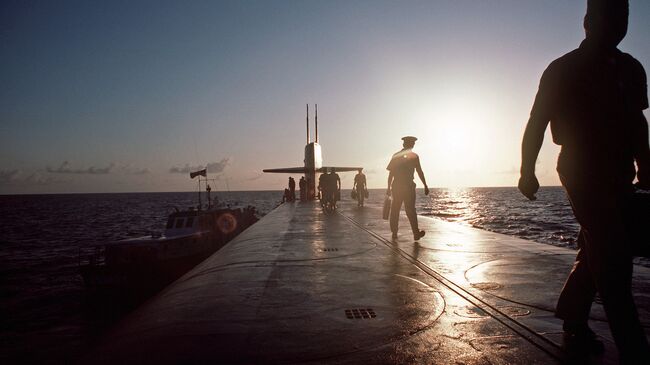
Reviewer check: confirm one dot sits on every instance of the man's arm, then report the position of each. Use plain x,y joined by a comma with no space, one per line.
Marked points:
540,115
418,168
642,151
530,146
390,182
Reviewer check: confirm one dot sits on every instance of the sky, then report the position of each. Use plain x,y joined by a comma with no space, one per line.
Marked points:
129,96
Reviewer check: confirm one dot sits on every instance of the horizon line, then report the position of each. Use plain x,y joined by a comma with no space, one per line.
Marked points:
254,191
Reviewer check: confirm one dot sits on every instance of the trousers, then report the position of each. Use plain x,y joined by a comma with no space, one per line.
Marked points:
603,264
403,193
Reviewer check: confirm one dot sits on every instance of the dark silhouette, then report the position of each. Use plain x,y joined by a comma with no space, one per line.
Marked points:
303,188
402,187
329,185
292,188
360,187
335,180
593,98
286,197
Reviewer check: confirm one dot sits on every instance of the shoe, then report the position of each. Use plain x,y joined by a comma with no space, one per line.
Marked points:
418,235
394,235
580,338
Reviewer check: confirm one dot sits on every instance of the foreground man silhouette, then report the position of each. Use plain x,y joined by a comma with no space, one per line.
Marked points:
594,98
401,186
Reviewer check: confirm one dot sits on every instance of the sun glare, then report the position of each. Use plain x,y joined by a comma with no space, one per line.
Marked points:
454,140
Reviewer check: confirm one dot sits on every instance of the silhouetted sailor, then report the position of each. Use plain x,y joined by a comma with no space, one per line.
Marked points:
360,186
594,97
292,188
402,187
303,186
334,182
322,185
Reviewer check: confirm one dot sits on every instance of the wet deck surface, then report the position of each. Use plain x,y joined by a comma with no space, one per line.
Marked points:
304,287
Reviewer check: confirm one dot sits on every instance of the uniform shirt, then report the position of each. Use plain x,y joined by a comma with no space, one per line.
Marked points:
403,164
323,181
360,179
592,99
333,180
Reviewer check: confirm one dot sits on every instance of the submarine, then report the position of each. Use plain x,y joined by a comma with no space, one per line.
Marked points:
303,287
313,161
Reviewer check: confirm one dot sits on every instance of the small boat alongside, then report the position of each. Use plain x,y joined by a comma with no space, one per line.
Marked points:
155,260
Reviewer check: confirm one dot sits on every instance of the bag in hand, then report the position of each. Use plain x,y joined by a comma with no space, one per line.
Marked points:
386,211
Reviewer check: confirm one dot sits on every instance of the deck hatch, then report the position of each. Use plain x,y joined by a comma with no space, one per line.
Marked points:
360,313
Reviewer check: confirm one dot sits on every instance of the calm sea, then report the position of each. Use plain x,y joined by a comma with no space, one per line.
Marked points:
47,316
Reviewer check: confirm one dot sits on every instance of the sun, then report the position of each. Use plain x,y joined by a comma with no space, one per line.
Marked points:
454,142
454,135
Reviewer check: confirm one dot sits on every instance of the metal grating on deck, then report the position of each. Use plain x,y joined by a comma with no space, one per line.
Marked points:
360,313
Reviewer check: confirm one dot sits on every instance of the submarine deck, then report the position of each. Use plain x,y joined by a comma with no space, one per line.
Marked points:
301,286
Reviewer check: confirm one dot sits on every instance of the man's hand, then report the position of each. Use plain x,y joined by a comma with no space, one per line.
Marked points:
528,185
643,175
388,192
426,190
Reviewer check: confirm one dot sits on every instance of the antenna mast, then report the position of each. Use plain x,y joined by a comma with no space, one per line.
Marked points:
316,123
308,137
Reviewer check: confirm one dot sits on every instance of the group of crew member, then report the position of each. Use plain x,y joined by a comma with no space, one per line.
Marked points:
290,192
329,186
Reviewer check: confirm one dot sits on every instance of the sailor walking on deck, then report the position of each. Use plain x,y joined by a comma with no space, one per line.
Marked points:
303,188
402,187
292,189
594,98
360,187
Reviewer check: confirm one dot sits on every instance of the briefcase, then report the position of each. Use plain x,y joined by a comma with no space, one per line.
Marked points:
366,194
387,204
353,194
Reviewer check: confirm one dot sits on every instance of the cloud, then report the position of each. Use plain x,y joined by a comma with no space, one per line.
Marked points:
218,167
184,169
65,168
213,167
143,171
9,175
132,170
18,177
37,178
253,178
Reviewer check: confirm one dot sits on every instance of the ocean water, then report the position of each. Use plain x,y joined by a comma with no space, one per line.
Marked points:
548,219
47,315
